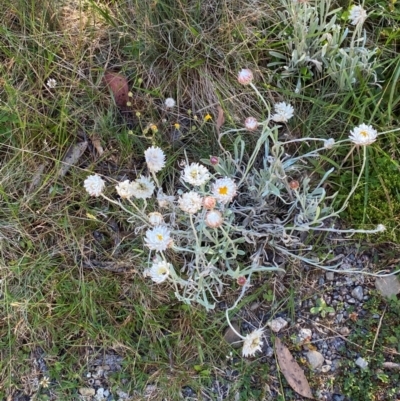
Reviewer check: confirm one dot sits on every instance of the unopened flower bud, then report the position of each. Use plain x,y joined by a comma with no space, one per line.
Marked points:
294,184
214,160
214,219
245,76
241,280
209,202
251,123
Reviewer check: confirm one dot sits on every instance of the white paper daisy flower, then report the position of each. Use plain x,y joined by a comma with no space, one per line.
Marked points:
195,174
283,112
158,238
214,219
94,185
125,189
159,271
251,123
156,218
169,103
363,135
51,83
252,343
357,15
155,159
224,189
190,202
143,187
245,76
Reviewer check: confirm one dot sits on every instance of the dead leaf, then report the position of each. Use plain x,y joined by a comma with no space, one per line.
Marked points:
292,371
72,156
97,144
119,87
220,119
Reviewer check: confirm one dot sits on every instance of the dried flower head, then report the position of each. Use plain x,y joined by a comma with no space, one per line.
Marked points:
158,238
363,135
169,103
156,218
214,219
251,123
159,271
357,15
283,112
224,189
190,202
143,187
209,202
94,185
245,76
252,343
195,174
155,159
125,189
241,280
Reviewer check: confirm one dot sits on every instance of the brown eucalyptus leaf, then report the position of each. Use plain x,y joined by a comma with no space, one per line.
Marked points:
220,119
119,87
292,371
72,157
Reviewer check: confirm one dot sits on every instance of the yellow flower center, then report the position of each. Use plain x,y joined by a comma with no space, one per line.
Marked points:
177,126
223,190
207,117
364,134
194,174
160,237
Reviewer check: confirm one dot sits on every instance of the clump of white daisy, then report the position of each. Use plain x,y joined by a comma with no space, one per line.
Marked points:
158,238
156,218
214,219
283,112
195,174
245,76
190,202
125,189
143,187
51,83
357,15
363,135
159,271
169,103
251,123
224,189
252,343
94,185
155,159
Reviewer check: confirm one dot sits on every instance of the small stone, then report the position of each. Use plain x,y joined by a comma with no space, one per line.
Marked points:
330,276
358,293
362,363
337,397
325,369
304,335
87,392
276,325
321,281
344,331
388,286
231,337
315,359
351,301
